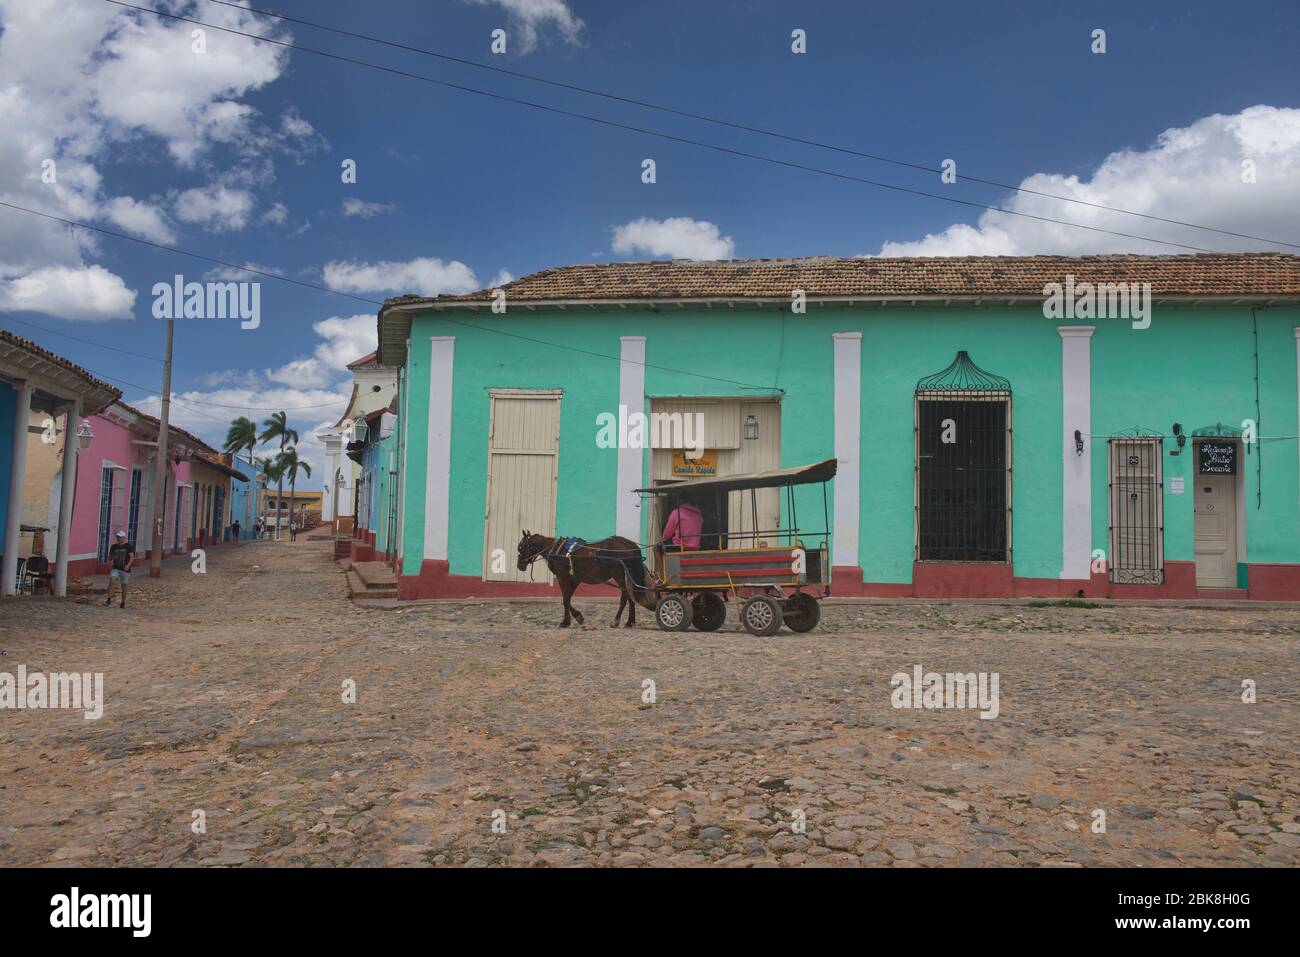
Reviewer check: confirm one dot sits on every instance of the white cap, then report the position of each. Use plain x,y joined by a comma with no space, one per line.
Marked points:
121,534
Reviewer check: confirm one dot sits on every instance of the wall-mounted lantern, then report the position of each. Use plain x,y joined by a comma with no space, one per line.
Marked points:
751,427
1180,436
360,430
1078,442
84,435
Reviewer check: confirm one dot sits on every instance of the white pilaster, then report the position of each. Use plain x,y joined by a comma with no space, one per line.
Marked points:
1076,481
17,469
66,491
631,393
848,442
437,476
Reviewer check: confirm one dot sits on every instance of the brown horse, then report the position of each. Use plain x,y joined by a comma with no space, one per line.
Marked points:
612,560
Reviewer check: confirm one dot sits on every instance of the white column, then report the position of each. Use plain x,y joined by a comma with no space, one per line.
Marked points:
18,467
66,491
631,393
848,441
1076,481
437,476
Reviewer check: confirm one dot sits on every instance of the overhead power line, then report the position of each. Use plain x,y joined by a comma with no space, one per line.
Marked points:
613,124
89,342
744,127
375,302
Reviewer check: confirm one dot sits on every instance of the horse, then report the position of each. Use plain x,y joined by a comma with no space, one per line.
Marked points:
612,560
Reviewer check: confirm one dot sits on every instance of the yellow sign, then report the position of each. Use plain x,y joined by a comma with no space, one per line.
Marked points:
706,466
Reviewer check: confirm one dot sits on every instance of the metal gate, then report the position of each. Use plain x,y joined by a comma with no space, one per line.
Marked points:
1137,532
963,465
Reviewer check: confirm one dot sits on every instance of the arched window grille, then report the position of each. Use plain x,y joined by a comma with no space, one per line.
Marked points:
963,465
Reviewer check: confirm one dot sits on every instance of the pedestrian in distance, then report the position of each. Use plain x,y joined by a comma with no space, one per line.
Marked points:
120,555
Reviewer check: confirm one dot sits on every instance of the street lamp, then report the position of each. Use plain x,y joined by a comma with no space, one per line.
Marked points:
360,430
84,435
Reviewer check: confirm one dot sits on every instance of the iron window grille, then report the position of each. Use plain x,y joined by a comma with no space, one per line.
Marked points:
963,465
1136,492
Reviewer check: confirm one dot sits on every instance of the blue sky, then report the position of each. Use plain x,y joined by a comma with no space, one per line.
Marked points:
235,153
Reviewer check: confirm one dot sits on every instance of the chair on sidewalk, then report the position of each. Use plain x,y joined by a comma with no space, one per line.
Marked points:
38,574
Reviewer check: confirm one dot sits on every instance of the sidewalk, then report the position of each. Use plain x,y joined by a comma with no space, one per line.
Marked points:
171,565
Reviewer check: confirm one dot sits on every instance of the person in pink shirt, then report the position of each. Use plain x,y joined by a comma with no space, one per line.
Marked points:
684,525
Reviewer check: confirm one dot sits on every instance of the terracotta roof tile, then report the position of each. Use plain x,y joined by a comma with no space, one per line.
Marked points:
7,336
1198,275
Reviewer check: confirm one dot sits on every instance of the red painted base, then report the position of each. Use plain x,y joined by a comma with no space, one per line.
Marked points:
1267,582
361,551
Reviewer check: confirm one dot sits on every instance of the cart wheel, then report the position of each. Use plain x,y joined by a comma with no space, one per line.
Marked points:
761,616
673,614
709,611
802,612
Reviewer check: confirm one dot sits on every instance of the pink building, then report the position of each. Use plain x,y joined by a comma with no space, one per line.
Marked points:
115,490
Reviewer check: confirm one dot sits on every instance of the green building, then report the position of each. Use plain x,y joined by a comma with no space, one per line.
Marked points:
1120,426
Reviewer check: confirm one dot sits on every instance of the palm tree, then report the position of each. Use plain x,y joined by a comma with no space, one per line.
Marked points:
289,464
242,435
277,427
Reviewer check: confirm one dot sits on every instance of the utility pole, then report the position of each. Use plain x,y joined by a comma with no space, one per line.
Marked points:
160,474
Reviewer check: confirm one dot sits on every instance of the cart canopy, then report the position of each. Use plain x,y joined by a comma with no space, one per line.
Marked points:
777,478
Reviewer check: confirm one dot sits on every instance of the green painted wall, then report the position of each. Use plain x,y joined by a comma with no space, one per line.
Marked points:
1197,367
1193,365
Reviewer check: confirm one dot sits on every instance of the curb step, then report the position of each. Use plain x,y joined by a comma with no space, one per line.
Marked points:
359,588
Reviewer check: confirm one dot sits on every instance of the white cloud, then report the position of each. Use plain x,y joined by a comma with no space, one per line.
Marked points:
235,274
678,237
78,80
208,415
423,276
82,292
216,208
140,219
526,19
343,340
1191,173
277,214
359,207
500,279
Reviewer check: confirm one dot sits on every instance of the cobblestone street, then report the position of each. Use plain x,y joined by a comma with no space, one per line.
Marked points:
224,694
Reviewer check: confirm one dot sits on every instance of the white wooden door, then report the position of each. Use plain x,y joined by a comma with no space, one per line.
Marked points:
523,470
1216,531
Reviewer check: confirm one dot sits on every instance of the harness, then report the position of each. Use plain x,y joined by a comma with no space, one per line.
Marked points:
561,548
564,548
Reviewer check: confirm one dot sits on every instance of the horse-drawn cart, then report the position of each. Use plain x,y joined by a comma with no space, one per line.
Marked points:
778,575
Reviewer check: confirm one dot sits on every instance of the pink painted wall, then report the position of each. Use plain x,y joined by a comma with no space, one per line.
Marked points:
112,444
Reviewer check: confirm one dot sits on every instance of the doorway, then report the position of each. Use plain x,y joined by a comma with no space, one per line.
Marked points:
522,479
1214,503
741,436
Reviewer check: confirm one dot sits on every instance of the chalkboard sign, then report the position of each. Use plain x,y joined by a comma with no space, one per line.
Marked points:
1217,458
